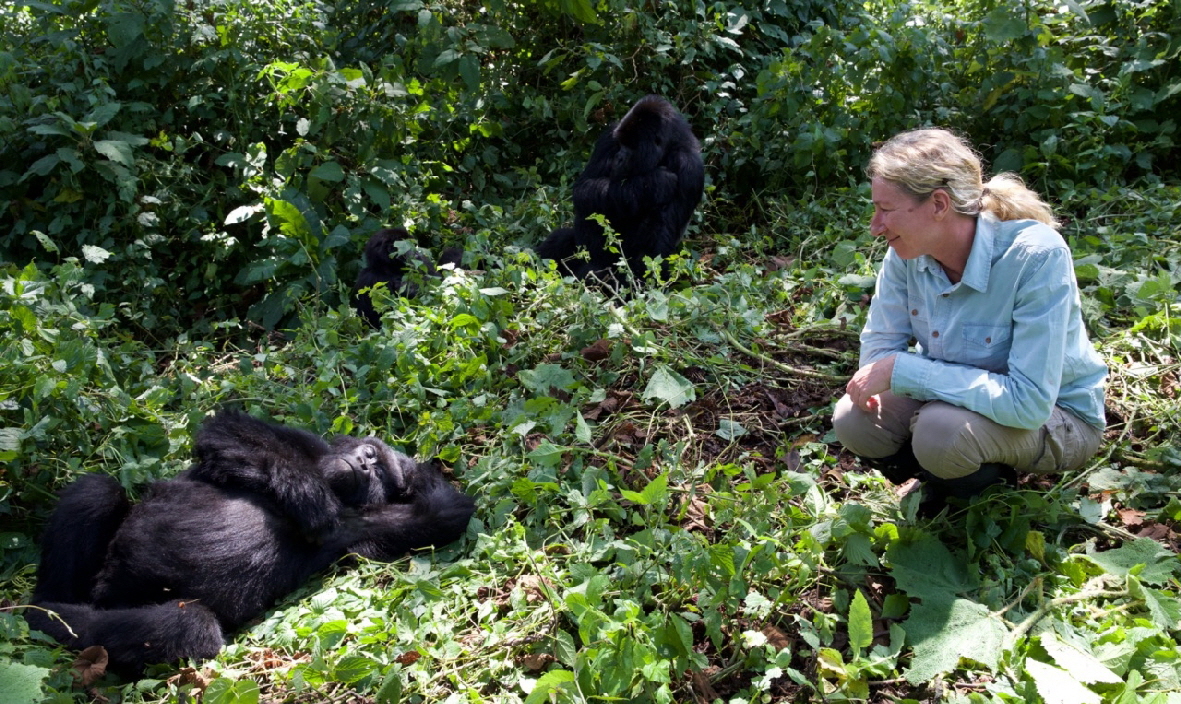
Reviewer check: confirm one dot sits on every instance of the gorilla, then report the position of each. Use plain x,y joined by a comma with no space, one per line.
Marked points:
645,177
262,508
383,263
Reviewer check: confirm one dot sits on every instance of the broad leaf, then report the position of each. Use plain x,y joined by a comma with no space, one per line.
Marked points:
21,684
1083,666
1143,557
942,633
860,622
1057,686
115,150
925,568
669,387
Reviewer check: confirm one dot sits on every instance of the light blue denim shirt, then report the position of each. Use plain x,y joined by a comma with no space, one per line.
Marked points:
1007,341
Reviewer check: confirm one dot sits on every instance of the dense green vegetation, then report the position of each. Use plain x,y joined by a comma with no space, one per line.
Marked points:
185,189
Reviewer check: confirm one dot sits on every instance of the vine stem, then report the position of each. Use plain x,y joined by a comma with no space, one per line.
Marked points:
836,378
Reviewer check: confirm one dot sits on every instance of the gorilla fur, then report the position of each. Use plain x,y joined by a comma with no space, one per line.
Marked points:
385,264
262,508
645,177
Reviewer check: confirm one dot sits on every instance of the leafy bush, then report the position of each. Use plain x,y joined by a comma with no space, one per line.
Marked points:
664,515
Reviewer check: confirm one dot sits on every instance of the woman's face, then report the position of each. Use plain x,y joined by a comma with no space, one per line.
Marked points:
906,222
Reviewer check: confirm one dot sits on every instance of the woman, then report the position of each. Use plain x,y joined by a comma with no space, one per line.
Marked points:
1001,376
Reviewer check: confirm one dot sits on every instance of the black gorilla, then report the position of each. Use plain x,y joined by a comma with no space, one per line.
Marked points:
646,177
383,263
261,509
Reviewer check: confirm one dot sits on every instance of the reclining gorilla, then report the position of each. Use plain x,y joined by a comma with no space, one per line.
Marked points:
262,508
645,177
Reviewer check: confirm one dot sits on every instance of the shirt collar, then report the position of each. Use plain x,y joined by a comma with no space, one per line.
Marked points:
980,258
979,264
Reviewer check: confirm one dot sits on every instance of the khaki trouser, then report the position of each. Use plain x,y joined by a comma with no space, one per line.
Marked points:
952,442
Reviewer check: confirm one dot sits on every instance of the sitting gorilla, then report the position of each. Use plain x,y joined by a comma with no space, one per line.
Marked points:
646,177
262,508
383,263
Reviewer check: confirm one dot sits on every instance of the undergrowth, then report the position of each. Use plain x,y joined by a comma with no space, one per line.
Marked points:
663,515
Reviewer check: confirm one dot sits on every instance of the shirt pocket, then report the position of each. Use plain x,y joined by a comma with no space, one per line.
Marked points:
986,346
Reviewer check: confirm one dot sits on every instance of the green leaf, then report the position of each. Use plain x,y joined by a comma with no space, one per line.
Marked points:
290,220
469,70
1057,686
926,569
669,387
1163,605
391,690
551,686
103,114
1143,557
93,254
1082,666
226,691
117,151
10,441
46,242
43,166
353,669
21,684
582,431
654,494
581,10
546,454
860,622
544,377
730,429
942,633
328,171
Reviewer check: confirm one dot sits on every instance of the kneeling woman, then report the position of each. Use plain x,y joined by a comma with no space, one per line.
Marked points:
1002,376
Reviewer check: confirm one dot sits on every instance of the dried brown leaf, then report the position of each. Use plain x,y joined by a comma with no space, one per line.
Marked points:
597,352
777,638
408,658
536,661
90,665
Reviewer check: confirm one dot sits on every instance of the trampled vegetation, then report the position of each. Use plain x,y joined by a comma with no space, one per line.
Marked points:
185,189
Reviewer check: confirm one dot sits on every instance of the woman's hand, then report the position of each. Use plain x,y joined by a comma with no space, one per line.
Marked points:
869,381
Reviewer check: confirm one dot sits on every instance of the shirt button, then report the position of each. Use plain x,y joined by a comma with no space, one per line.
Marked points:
988,340
914,311
946,295
935,333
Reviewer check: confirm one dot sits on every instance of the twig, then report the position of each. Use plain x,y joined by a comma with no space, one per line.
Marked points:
826,328
1089,592
834,378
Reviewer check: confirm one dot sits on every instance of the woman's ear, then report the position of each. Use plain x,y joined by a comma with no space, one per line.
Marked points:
942,202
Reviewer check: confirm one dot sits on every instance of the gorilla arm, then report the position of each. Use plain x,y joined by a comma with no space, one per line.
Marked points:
237,451
435,513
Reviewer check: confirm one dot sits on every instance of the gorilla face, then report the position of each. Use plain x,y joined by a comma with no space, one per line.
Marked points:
365,471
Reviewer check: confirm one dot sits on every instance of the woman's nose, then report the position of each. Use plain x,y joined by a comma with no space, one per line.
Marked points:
875,225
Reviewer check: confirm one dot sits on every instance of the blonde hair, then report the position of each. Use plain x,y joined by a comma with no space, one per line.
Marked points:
921,161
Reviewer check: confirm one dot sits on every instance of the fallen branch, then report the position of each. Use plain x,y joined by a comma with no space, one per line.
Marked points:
805,373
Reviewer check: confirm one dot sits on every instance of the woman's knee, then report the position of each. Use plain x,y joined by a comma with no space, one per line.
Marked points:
859,432
943,441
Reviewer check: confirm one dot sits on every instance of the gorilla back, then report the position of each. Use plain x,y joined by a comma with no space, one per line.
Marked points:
645,177
262,508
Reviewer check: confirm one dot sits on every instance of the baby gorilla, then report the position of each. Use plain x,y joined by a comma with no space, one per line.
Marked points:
385,264
262,508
